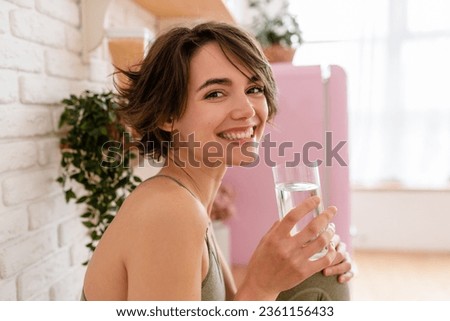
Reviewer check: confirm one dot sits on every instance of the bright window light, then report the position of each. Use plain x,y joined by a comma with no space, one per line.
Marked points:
395,54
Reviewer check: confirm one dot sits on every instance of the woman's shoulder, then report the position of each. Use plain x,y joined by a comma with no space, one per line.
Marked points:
163,201
157,218
158,212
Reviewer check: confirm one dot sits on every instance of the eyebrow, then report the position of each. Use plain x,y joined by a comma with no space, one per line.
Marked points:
215,81
222,81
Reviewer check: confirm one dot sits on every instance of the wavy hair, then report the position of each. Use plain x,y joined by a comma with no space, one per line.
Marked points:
157,91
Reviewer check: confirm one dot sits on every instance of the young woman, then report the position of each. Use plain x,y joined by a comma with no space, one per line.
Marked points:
200,99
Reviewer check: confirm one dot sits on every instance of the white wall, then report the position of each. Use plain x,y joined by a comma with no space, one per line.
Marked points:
401,220
41,238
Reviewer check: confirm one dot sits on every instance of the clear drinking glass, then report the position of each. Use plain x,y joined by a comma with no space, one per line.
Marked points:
293,184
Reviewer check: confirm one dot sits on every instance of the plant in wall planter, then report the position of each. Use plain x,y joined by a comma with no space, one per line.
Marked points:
277,31
95,164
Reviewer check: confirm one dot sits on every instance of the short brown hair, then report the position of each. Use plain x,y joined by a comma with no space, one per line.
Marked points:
157,91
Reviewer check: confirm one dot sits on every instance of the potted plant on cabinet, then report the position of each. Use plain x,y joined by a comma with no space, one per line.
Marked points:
95,163
278,32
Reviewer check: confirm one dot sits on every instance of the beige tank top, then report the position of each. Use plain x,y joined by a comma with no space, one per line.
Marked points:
213,285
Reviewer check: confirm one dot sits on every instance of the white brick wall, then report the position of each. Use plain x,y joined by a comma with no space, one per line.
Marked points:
24,121
36,27
38,275
23,3
8,292
61,63
10,89
18,54
14,222
19,253
63,10
66,288
42,242
17,155
73,39
38,89
4,19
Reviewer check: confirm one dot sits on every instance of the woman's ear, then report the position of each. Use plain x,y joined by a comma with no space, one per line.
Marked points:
167,125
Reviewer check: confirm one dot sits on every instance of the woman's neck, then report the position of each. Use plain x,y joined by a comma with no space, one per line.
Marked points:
202,180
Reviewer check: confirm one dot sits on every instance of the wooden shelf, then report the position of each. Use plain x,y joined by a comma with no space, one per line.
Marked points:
206,9
93,15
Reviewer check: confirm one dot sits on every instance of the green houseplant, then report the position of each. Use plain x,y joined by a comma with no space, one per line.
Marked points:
278,32
95,163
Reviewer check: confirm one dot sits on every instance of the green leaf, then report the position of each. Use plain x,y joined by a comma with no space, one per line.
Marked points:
69,195
86,215
81,200
88,224
95,236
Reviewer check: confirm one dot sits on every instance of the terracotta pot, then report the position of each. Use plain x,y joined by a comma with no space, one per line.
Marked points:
278,53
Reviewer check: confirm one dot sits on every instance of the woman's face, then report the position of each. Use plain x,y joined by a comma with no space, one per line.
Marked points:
226,110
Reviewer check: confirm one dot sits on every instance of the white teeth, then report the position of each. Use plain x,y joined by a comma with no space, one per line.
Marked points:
238,135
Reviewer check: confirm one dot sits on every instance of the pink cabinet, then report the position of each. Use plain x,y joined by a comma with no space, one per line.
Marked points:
311,123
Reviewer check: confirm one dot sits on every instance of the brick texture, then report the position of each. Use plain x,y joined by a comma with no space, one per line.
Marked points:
28,186
38,276
63,10
68,288
4,17
20,55
26,250
42,240
23,121
64,64
73,39
35,89
23,3
17,155
9,290
35,27
10,87
13,223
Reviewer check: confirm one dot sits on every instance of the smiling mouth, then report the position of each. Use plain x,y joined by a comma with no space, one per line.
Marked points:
238,134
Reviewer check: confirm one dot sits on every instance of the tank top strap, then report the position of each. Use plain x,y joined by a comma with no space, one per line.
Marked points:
213,285
176,181
212,247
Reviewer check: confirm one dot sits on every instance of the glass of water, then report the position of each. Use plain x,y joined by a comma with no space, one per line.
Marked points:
294,184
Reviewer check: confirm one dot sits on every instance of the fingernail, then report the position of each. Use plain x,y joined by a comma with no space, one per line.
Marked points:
331,226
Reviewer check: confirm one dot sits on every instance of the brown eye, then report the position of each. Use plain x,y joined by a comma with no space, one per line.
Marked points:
214,94
256,90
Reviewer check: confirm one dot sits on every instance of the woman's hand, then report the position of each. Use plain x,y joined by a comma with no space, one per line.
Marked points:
342,264
281,261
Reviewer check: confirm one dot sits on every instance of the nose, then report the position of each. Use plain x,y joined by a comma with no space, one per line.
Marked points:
243,109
